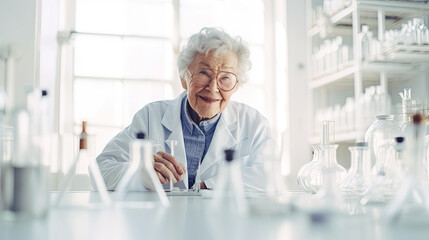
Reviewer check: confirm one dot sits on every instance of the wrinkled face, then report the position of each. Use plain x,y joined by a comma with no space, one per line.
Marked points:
207,101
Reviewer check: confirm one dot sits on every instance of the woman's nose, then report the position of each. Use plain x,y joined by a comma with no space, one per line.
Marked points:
212,86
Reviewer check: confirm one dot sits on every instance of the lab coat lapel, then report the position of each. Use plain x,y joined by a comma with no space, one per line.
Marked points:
171,122
223,139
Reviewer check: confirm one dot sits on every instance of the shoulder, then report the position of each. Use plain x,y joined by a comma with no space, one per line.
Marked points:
244,112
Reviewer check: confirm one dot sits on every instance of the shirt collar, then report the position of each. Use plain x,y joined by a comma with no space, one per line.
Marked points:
206,126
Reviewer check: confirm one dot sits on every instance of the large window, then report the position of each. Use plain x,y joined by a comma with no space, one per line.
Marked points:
123,57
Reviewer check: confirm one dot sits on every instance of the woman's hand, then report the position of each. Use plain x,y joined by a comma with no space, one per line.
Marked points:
168,168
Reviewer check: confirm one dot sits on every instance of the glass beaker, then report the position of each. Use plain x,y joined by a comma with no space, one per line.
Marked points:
358,178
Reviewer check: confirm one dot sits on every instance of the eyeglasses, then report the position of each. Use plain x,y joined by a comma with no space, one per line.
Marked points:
226,81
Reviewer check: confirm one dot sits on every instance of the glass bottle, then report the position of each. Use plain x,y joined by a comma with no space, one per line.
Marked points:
328,157
358,178
365,40
380,137
78,178
229,192
410,205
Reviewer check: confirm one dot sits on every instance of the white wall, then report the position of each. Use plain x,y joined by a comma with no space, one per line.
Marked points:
300,152
17,29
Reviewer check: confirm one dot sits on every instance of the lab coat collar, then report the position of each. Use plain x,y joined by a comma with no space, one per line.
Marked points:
171,122
223,138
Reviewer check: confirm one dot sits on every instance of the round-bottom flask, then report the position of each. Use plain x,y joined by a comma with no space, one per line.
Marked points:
303,177
328,157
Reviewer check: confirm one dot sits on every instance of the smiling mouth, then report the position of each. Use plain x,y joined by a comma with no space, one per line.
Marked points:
208,100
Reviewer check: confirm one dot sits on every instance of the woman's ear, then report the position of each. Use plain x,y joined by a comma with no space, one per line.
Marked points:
184,83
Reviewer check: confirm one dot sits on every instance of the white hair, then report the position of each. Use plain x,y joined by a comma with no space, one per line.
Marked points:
216,39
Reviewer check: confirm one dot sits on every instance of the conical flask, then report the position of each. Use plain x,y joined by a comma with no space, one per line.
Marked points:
78,178
410,206
229,191
358,178
302,176
141,163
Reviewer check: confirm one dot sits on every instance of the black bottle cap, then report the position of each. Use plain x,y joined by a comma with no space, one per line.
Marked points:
229,155
361,144
44,92
399,139
141,135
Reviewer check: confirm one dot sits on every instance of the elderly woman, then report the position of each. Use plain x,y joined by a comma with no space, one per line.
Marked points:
202,120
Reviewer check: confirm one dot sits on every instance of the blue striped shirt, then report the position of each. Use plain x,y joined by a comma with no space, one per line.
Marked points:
197,139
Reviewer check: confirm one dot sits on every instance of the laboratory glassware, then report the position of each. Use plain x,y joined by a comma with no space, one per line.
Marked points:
358,178
142,162
78,177
302,176
327,156
29,173
410,205
407,108
380,138
381,141
274,167
229,191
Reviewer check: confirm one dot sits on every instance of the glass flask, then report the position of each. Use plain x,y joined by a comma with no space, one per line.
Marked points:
302,176
358,178
229,191
328,157
83,172
141,162
381,141
380,138
410,205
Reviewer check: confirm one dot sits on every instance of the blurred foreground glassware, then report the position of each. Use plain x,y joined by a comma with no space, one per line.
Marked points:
27,174
275,167
141,163
381,141
78,178
229,191
410,205
358,178
328,156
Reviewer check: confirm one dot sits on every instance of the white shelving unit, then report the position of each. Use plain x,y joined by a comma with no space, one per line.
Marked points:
399,64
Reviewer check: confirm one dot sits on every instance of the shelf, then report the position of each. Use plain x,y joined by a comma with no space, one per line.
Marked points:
395,11
332,78
339,137
345,76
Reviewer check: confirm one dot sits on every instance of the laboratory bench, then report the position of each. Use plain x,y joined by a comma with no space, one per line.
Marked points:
141,216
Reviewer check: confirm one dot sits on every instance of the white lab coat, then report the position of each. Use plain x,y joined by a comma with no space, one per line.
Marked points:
240,127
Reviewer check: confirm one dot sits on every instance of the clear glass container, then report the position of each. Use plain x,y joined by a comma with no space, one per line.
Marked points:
381,141
313,179
303,172
229,191
410,205
358,178
380,138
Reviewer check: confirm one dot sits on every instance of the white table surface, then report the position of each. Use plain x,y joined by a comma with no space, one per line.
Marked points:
190,217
